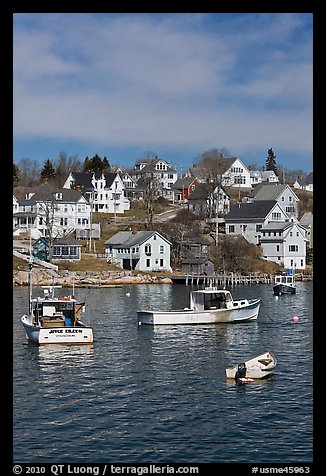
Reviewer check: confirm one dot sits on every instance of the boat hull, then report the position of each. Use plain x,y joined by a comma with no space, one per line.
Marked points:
256,368
57,335
240,314
279,289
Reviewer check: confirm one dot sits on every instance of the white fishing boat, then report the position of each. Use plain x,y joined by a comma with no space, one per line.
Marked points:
207,306
284,284
255,368
55,320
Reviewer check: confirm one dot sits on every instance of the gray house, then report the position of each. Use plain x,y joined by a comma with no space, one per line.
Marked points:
198,266
247,219
285,244
280,193
203,202
139,250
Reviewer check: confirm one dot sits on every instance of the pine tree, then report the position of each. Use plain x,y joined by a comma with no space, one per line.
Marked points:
48,171
271,161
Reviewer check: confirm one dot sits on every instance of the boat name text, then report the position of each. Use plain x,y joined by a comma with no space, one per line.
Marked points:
65,331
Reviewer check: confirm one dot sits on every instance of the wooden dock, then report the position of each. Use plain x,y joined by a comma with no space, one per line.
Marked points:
221,280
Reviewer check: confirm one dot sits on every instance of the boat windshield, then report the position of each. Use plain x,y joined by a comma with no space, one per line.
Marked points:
216,300
53,308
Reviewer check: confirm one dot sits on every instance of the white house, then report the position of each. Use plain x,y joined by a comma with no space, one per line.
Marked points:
53,210
232,172
139,250
247,219
130,185
201,201
306,183
160,171
285,244
264,176
104,191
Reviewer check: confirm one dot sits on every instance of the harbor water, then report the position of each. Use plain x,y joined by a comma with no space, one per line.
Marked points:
143,394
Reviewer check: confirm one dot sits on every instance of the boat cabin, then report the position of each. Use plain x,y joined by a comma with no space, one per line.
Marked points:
285,279
56,312
210,298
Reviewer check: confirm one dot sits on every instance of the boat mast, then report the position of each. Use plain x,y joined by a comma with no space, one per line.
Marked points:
30,276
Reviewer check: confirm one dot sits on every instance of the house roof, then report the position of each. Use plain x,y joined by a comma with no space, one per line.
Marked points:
276,226
196,260
247,211
183,182
221,166
281,227
268,191
66,240
151,164
202,191
127,239
84,179
44,192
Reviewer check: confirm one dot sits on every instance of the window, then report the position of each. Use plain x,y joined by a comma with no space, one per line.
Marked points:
276,216
148,249
231,228
293,248
289,209
161,249
258,227
148,263
161,262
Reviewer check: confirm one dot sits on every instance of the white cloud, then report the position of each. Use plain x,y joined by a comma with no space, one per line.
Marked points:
147,79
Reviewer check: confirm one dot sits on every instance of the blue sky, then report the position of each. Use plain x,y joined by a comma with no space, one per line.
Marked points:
176,84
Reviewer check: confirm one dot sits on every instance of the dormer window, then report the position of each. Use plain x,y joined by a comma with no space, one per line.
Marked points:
58,196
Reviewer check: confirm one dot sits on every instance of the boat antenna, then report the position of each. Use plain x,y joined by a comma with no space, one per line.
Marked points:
73,285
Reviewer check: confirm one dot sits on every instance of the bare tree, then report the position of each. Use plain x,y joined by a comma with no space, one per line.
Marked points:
210,168
151,191
64,165
29,172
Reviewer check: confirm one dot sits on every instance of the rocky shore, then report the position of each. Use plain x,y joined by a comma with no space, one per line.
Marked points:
42,277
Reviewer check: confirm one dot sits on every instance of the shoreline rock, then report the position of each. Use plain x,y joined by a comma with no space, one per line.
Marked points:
66,278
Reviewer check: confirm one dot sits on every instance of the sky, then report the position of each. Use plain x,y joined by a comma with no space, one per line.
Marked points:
176,84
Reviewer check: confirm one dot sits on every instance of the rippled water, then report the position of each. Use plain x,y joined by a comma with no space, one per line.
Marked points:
144,394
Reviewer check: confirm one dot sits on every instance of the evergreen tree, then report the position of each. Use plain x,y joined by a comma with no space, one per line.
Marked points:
96,163
105,165
48,171
86,164
271,161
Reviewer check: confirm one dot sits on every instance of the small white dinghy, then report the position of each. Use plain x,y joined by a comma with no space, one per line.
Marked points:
256,368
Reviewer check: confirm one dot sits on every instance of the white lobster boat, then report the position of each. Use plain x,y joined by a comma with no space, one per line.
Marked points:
207,306
55,320
256,368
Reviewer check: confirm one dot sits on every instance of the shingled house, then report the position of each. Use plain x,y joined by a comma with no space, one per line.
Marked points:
139,250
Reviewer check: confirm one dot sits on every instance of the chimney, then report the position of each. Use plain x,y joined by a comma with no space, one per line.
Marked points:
134,229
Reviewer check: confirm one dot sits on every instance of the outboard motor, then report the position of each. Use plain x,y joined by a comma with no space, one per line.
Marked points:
241,372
